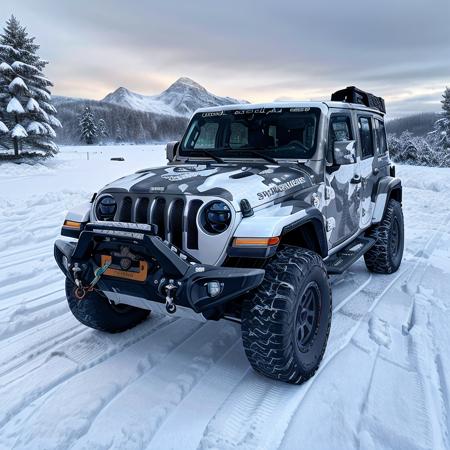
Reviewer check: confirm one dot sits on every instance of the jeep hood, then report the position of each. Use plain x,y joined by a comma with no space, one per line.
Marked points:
257,183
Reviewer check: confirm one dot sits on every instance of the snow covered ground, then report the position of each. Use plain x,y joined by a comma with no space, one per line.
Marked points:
175,383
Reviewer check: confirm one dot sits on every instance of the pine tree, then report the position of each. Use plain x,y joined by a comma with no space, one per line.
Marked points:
440,136
27,117
88,128
446,102
102,131
118,133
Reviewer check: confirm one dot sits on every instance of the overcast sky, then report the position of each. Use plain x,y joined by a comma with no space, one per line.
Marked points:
255,50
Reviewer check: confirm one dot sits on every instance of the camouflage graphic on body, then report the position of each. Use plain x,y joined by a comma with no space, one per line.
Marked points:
256,183
342,208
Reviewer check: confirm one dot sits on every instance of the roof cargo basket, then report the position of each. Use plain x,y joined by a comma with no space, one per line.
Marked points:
352,94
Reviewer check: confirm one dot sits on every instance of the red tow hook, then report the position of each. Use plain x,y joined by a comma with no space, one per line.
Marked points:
81,291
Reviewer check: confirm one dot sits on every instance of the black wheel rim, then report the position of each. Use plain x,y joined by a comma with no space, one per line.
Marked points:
307,318
395,238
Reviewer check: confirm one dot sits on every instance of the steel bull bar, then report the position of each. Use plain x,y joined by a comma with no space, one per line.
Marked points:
173,278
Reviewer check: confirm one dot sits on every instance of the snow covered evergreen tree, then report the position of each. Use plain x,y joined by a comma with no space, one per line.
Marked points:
102,131
118,133
88,127
27,117
446,102
416,150
440,136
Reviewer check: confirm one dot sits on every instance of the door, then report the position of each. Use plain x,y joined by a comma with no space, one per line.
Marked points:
370,172
343,185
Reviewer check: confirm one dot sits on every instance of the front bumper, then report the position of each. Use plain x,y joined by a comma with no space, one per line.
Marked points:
165,262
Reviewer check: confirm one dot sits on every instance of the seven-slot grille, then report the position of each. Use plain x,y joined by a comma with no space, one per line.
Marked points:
174,216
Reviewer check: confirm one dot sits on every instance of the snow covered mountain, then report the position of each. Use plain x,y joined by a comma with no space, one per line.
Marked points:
181,98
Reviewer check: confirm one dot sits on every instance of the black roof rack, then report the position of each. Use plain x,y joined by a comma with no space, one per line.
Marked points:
352,94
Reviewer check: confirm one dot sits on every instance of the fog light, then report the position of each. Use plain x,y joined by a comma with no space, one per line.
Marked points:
214,288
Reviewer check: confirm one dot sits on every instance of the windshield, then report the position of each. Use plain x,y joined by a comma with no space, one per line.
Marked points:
272,132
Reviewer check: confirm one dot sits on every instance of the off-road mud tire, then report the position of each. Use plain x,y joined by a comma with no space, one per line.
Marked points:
271,314
386,255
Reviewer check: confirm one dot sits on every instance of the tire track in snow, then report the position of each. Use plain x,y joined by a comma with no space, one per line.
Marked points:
59,366
21,320
34,345
432,379
177,374
138,361
17,257
31,295
36,280
216,385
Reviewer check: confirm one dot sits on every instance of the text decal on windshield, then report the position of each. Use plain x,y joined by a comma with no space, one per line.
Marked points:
281,188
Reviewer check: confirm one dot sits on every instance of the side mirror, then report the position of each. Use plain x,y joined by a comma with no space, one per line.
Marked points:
171,150
344,152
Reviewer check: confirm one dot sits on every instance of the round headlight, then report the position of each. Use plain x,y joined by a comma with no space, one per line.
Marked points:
216,217
106,207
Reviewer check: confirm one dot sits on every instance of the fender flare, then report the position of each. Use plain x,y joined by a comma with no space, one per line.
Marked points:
382,193
268,222
316,219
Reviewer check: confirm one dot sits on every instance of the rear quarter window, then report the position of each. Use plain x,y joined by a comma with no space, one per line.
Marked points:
366,137
381,137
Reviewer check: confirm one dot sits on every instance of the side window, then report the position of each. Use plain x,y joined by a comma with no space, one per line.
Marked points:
365,134
381,138
340,130
207,136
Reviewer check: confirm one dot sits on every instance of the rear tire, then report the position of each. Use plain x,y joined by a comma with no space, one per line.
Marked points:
286,320
95,311
386,255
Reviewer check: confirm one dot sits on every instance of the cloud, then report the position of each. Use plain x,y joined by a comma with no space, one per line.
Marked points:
258,51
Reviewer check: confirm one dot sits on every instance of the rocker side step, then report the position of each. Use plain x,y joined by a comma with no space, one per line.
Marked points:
343,259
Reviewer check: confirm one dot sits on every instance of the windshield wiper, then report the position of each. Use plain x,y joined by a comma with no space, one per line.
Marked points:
262,155
210,154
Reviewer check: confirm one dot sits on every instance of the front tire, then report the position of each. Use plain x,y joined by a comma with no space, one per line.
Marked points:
386,255
95,311
286,320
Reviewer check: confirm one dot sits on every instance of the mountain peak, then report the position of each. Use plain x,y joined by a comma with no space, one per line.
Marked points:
181,98
121,90
183,84
188,82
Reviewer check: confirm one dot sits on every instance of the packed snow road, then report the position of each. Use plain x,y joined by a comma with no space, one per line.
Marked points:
177,383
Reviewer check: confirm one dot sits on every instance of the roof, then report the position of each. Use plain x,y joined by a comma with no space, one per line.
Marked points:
324,106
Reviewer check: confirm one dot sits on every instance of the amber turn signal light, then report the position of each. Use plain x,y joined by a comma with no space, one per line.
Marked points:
72,224
256,242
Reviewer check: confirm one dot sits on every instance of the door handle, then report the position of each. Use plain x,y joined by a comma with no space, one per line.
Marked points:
356,179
